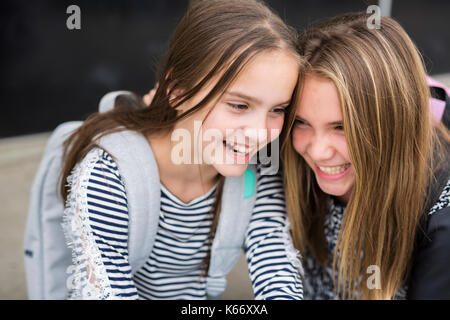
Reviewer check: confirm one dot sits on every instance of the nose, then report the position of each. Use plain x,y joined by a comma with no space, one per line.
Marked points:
319,148
256,128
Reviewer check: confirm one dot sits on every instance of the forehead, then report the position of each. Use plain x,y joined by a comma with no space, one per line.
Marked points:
269,76
319,100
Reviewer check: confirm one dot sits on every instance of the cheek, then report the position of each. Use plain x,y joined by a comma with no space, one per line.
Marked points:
216,120
209,124
299,140
274,127
342,147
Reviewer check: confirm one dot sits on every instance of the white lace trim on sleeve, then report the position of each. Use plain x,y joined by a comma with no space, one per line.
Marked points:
88,278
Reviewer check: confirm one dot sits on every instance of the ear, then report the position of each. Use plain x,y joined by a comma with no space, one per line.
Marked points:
148,98
174,95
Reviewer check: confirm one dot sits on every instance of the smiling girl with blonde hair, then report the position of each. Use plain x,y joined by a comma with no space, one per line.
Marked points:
366,172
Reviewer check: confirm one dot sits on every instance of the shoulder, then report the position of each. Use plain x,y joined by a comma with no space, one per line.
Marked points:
97,196
443,201
438,197
435,235
437,213
268,183
97,171
438,219
100,159
430,278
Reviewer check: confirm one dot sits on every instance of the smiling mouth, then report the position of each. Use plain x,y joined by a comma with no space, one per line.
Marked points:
334,170
238,149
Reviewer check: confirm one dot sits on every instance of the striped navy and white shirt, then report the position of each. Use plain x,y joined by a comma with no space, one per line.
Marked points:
97,214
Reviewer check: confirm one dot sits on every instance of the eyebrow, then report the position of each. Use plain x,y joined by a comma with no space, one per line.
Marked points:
250,98
333,123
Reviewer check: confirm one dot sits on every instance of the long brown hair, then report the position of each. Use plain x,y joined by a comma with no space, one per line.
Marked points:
213,38
381,82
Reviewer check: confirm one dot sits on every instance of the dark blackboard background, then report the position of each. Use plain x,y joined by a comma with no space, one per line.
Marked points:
50,74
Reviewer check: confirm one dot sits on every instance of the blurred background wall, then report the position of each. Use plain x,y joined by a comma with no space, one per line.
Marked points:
50,74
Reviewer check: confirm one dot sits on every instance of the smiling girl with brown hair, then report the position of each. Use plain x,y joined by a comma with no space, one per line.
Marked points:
232,66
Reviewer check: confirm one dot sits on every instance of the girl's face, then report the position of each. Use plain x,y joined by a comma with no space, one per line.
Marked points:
318,136
248,115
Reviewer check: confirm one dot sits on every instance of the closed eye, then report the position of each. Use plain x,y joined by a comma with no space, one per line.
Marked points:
337,125
299,122
279,110
238,106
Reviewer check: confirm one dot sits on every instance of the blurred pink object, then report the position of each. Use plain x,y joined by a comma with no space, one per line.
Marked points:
437,106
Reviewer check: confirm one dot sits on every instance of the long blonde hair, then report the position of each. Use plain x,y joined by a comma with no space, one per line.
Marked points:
381,82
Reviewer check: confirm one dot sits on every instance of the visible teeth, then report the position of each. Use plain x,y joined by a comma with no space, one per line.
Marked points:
238,149
334,170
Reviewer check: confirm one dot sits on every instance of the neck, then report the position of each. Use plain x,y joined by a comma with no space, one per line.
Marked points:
181,178
345,198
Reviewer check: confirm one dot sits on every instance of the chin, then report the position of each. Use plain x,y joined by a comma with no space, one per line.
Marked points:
231,170
337,191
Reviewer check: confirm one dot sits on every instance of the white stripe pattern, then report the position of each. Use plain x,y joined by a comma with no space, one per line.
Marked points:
174,267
